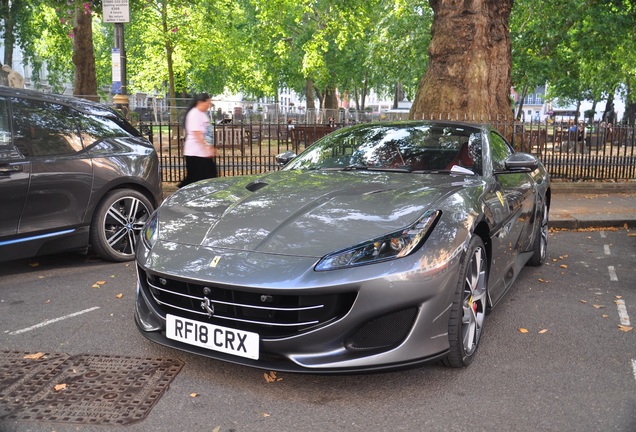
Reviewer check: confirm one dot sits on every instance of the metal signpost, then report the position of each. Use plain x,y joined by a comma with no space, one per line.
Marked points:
118,13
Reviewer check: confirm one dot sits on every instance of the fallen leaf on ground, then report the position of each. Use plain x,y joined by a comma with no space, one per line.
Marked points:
625,328
543,331
271,377
523,330
583,301
95,286
598,306
119,295
34,356
193,395
619,297
60,387
100,282
563,266
605,316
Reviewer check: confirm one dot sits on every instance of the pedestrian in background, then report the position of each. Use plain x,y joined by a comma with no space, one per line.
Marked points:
198,149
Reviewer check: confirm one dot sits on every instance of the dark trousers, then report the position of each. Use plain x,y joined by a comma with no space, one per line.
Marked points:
198,168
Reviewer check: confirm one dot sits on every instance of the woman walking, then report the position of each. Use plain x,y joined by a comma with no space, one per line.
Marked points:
199,153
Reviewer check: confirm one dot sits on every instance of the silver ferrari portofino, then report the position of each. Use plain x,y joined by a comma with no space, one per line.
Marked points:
380,246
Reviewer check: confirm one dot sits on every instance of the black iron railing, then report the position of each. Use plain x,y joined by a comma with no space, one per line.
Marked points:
595,151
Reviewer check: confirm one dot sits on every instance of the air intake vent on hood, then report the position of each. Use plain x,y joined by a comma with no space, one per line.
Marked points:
377,191
255,185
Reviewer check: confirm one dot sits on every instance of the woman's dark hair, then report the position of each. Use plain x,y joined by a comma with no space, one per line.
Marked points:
196,98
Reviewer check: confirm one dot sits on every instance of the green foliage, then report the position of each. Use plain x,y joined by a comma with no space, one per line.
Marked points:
51,48
582,48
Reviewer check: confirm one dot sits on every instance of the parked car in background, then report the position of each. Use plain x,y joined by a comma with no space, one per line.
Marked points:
381,246
73,174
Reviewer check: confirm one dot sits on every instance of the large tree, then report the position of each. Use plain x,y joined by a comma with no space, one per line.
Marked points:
85,83
469,61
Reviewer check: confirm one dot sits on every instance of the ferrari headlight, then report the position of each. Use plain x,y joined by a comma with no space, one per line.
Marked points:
150,232
395,245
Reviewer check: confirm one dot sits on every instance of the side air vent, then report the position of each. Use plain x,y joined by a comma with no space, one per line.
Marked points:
255,185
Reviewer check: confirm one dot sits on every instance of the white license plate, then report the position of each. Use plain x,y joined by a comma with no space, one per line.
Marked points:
210,336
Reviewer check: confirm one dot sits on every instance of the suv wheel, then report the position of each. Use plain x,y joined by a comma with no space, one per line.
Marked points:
117,222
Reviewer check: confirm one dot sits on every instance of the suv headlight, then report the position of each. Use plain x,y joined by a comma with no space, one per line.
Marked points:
391,246
150,232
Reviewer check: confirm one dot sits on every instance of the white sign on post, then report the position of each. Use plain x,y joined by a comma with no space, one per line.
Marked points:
115,11
116,58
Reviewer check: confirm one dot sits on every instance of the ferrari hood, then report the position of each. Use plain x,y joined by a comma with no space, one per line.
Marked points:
301,213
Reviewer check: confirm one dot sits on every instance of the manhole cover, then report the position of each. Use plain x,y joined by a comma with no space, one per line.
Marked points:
84,389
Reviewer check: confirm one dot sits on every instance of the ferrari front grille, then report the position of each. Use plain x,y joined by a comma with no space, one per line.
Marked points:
266,313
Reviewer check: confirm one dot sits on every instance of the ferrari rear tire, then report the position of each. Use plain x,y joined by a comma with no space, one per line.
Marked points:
469,306
117,222
540,244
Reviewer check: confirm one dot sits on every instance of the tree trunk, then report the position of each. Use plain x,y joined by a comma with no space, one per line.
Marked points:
363,97
469,61
9,26
84,56
356,98
331,99
524,93
577,113
398,95
309,94
589,114
608,114
169,52
630,107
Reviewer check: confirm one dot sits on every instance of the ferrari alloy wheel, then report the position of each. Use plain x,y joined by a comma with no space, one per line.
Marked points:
540,244
469,308
117,222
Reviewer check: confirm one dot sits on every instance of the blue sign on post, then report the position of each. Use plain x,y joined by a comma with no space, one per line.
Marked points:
116,58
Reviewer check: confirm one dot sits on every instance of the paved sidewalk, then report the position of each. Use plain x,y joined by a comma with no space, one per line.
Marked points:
587,205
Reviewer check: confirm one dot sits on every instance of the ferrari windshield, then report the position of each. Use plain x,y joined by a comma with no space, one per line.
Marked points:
395,147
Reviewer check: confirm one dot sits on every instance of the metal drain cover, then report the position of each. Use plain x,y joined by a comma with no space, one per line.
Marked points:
91,389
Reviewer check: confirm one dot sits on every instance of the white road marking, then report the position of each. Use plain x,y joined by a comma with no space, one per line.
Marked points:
634,367
45,323
603,234
612,273
622,312
607,250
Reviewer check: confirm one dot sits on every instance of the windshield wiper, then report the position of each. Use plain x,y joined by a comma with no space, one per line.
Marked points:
455,170
405,169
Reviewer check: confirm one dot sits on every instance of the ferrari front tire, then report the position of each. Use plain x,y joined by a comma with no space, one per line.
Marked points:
469,306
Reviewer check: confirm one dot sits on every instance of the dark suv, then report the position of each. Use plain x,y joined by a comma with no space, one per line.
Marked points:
73,174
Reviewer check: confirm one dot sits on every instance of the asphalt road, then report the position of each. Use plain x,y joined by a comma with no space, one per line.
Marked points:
573,370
